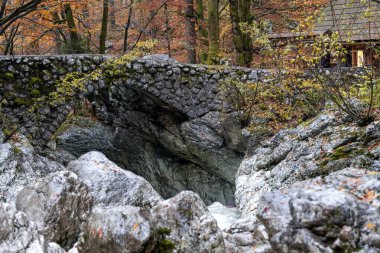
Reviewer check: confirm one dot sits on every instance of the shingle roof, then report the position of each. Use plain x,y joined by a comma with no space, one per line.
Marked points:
357,20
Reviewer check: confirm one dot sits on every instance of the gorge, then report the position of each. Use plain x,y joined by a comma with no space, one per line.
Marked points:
136,176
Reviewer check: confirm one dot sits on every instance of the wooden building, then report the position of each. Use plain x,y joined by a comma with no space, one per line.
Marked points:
358,25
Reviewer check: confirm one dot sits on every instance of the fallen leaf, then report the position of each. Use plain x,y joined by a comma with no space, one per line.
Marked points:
100,232
369,196
136,226
370,226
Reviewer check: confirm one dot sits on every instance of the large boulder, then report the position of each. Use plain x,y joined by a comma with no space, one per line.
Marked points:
58,203
246,235
19,235
119,229
111,185
327,144
190,227
313,188
21,165
318,215
273,211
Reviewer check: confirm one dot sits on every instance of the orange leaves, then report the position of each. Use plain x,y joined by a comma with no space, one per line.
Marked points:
46,30
100,233
352,185
96,233
135,226
369,196
370,226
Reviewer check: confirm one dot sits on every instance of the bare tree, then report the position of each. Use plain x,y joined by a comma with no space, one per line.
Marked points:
7,19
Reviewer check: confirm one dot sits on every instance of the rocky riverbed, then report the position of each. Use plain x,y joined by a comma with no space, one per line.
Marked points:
314,188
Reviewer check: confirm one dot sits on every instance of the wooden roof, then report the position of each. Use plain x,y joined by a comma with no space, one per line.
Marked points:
357,20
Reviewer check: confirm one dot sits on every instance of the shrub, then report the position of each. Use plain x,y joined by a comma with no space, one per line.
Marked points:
276,103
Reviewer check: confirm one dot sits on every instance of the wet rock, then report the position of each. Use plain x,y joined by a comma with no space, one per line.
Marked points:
60,156
85,136
58,203
111,185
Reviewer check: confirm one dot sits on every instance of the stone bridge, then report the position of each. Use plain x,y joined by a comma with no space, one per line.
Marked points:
161,119
185,89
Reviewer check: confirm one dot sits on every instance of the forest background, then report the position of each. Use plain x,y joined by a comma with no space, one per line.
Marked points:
195,31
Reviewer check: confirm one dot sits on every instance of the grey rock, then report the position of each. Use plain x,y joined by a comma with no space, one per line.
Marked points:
232,132
58,203
111,185
160,58
160,154
19,166
313,188
274,211
19,235
119,229
321,218
88,136
59,155
323,208
300,240
245,236
192,228
326,145
201,135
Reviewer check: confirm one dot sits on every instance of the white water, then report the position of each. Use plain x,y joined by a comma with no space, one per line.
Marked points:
225,216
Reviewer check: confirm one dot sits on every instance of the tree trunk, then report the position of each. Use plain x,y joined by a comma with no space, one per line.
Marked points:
59,38
167,30
75,42
112,15
10,38
240,13
190,32
86,22
126,29
104,29
213,28
202,32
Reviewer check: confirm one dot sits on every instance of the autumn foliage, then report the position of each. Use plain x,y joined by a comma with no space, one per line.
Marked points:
116,26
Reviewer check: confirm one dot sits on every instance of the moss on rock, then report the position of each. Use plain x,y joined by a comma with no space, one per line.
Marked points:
22,101
35,80
35,92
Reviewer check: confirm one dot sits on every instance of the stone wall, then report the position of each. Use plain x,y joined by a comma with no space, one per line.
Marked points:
188,90
25,78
